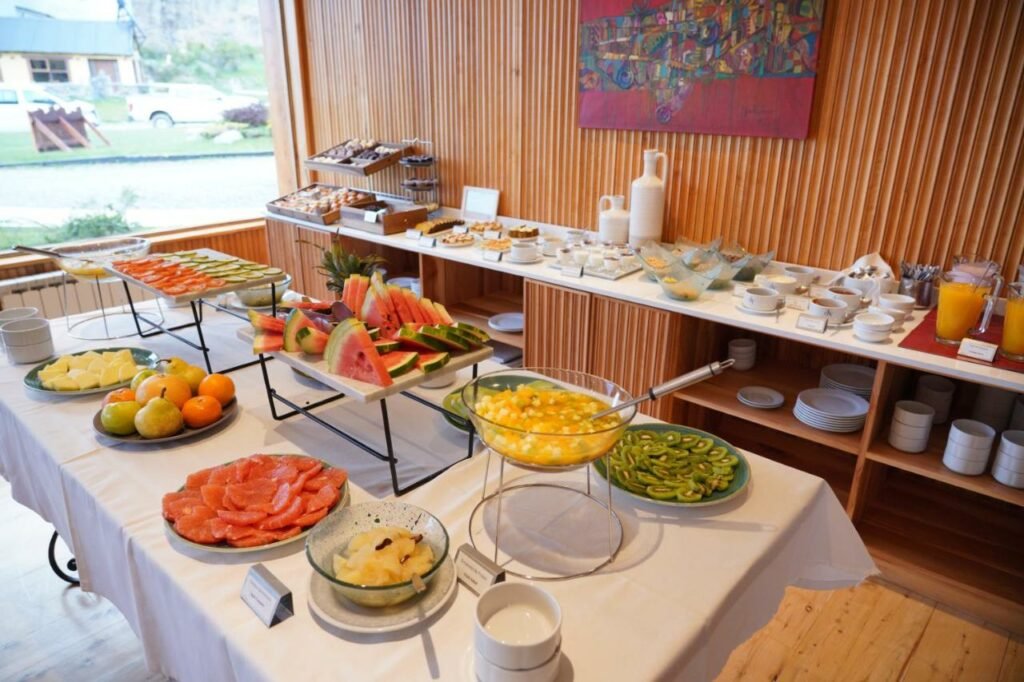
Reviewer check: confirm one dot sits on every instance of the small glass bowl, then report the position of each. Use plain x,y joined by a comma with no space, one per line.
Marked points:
73,257
655,260
332,535
259,297
684,284
708,260
539,450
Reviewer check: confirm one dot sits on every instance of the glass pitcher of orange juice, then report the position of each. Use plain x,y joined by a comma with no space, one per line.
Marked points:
1012,346
965,300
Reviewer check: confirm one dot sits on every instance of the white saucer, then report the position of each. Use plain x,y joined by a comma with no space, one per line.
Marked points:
777,311
510,259
334,609
511,323
761,397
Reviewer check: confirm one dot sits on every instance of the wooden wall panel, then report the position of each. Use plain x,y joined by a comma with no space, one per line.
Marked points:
558,327
915,146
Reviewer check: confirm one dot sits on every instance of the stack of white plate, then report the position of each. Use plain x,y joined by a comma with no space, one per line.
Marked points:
831,409
1008,468
857,379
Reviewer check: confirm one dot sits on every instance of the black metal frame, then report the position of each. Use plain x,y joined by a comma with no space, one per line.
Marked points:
387,456
72,565
155,329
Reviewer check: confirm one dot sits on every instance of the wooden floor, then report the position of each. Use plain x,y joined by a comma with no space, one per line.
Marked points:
872,632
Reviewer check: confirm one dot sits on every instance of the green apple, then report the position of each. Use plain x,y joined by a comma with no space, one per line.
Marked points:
119,418
142,376
193,375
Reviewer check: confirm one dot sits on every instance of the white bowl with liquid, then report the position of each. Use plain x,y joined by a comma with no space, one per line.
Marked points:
517,626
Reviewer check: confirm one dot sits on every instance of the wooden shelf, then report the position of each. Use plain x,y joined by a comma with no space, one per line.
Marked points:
929,464
720,394
476,311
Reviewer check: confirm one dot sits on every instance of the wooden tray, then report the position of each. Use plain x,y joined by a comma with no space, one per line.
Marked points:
405,216
360,168
328,218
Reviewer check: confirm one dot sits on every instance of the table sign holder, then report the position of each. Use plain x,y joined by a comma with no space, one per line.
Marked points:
267,596
812,323
476,571
978,350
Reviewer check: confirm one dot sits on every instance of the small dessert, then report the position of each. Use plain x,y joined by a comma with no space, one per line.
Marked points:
453,239
482,226
523,232
437,225
383,556
502,244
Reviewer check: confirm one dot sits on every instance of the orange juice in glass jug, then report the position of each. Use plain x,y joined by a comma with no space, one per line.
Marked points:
1012,345
963,299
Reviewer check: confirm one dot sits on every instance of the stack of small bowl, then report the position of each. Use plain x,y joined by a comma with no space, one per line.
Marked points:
911,426
937,392
743,352
873,327
969,447
1008,468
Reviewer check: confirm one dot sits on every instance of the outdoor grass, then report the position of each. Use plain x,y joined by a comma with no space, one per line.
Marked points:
18,147
112,109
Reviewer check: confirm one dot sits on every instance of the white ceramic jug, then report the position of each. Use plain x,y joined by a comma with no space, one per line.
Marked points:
647,201
612,222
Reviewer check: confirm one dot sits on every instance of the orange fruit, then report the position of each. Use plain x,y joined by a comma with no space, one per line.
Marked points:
173,387
218,386
121,395
200,411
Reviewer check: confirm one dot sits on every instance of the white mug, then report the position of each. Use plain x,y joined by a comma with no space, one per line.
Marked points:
783,284
832,308
524,251
761,298
851,297
801,273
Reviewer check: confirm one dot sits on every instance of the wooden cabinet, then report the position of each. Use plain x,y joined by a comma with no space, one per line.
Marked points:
557,327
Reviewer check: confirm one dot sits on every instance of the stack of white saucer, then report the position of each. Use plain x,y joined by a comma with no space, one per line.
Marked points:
911,426
1008,468
844,376
969,447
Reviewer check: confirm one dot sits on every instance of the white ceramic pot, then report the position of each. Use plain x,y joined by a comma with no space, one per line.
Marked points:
517,626
913,413
612,222
1012,443
911,432
647,200
1005,461
972,434
906,444
875,322
1007,477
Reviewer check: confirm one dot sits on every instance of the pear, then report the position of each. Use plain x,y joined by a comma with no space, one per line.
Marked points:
193,375
159,418
175,366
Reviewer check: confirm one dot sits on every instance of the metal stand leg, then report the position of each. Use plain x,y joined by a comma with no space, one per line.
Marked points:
72,565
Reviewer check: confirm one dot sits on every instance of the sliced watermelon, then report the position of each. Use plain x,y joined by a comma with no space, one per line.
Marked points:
400,361
266,323
431,362
362,286
376,313
415,310
267,342
307,304
400,303
480,334
374,333
347,290
443,312
413,339
386,346
297,319
428,307
445,335
350,353
312,340
473,341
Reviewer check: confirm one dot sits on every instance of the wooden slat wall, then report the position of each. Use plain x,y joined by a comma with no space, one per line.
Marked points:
557,327
915,146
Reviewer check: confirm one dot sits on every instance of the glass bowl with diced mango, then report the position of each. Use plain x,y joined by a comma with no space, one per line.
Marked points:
541,417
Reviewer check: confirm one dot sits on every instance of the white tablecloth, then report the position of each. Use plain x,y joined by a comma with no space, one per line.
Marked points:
687,587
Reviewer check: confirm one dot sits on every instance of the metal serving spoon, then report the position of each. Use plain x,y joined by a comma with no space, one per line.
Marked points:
695,377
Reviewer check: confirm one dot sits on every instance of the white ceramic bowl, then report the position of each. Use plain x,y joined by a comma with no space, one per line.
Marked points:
899,301
968,467
933,383
761,298
911,432
801,273
489,672
870,335
27,331
518,626
1007,477
742,346
851,297
784,284
913,413
935,391
897,315
832,308
966,452
972,434
876,322
37,352
18,314
907,444
1004,461
1012,443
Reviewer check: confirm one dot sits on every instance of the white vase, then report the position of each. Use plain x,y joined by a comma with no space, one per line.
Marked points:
647,201
613,222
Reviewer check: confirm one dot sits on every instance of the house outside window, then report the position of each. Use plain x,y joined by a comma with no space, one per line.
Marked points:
49,69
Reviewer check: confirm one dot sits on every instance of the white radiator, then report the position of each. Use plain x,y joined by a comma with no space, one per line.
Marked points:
45,291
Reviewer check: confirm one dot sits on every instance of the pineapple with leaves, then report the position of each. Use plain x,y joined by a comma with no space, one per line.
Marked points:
337,264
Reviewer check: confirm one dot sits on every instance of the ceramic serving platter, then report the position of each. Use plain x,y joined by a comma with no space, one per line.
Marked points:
141,355
229,411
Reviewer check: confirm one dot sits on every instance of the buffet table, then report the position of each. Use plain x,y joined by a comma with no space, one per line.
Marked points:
687,588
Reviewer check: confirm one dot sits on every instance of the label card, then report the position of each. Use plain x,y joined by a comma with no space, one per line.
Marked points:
428,241
798,302
370,216
812,323
476,571
267,596
413,233
493,256
492,234
979,350
571,270
460,229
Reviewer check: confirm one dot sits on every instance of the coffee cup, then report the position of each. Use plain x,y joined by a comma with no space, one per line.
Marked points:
595,259
784,284
801,273
580,256
565,256
551,245
761,298
612,262
851,297
524,251
832,308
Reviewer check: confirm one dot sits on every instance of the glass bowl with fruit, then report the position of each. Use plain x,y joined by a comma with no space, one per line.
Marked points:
540,418
89,260
684,284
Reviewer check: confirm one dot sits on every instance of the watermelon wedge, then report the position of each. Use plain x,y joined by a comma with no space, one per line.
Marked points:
297,319
399,362
443,312
350,353
462,334
386,346
445,335
307,304
267,342
480,334
377,313
266,323
401,304
374,333
411,338
428,310
312,340
431,362
347,291
413,301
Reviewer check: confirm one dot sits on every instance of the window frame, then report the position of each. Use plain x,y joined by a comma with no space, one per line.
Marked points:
49,70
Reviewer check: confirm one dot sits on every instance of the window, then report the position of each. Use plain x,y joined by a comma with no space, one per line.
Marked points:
49,69
36,97
8,97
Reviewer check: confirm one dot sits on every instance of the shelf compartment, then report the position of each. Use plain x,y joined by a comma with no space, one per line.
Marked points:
929,464
476,311
719,394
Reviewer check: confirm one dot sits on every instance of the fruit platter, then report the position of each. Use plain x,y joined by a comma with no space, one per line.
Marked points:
93,371
188,275
254,503
379,339
676,466
172,402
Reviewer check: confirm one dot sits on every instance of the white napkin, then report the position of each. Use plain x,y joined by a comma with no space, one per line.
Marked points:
870,260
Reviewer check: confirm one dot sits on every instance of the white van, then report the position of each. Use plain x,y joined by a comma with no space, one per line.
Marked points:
165,104
15,103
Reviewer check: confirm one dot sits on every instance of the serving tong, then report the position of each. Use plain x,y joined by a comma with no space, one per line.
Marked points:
690,378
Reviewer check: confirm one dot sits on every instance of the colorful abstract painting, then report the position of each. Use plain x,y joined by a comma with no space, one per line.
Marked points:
727,67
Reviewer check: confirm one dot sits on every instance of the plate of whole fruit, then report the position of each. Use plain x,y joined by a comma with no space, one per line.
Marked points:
180,402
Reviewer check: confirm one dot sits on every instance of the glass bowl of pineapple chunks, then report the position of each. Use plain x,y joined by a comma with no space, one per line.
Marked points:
369,552
94,371
540,418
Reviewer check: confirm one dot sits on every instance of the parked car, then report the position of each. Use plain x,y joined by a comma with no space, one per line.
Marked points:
168,103
16,103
